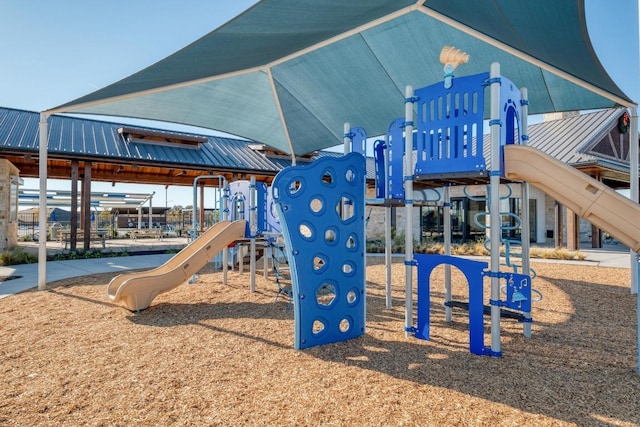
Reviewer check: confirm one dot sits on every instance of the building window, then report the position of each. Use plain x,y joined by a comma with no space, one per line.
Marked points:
515,210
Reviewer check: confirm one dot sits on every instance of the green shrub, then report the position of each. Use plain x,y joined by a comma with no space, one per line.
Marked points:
17,255
472,248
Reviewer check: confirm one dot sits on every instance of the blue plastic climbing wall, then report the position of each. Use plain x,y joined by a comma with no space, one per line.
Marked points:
321,210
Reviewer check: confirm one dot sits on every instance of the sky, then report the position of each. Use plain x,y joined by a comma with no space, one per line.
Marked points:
54,52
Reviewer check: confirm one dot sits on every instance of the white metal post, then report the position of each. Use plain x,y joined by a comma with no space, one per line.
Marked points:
408,194
494,218
387,225
387,253
253,227
224,214
347,139
524,188
446,233
526,247
150,224
633,178
42,213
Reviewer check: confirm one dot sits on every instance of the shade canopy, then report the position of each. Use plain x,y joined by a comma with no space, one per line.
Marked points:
289,73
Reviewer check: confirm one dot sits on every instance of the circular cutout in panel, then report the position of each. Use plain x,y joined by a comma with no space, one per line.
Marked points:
320,263
326,294
317,205
345,208
306,230
352,297
295,187
328,177
348,268
331,236
345,325
318,327
352,243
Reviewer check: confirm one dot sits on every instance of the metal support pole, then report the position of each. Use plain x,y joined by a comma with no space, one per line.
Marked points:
446,233
495,219
388,256
525,235
408,194
224,214
150,223
633,178
347,139
42,213
253,227
387,253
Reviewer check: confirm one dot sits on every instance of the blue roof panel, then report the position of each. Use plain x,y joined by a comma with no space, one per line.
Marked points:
94,138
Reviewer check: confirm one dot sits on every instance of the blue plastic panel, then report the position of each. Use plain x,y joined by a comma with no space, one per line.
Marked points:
395,155
273,223
359,141
518,292
379,149
510,132
239,198
472,271
450,127
321,210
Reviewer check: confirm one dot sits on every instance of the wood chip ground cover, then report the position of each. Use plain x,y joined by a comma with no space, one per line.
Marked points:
216,355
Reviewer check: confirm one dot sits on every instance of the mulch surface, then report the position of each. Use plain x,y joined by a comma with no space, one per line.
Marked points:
219,355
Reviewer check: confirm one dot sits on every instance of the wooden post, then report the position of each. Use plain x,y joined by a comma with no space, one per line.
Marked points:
573,231
558,235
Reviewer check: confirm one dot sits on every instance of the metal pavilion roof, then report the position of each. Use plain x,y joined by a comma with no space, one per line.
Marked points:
95,140
577,133
72,136
589,142
99,200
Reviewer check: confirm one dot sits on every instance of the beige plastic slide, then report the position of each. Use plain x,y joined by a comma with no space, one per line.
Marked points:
136,290
588,198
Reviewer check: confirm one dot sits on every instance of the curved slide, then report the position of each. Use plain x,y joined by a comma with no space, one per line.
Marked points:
588,198
136,290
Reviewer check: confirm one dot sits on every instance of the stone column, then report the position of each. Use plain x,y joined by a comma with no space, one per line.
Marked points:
8,225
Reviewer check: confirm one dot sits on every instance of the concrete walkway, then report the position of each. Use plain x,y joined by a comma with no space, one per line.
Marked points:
25,276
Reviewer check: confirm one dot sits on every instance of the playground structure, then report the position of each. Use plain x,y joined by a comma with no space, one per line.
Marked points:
321,212
137,290
445,149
